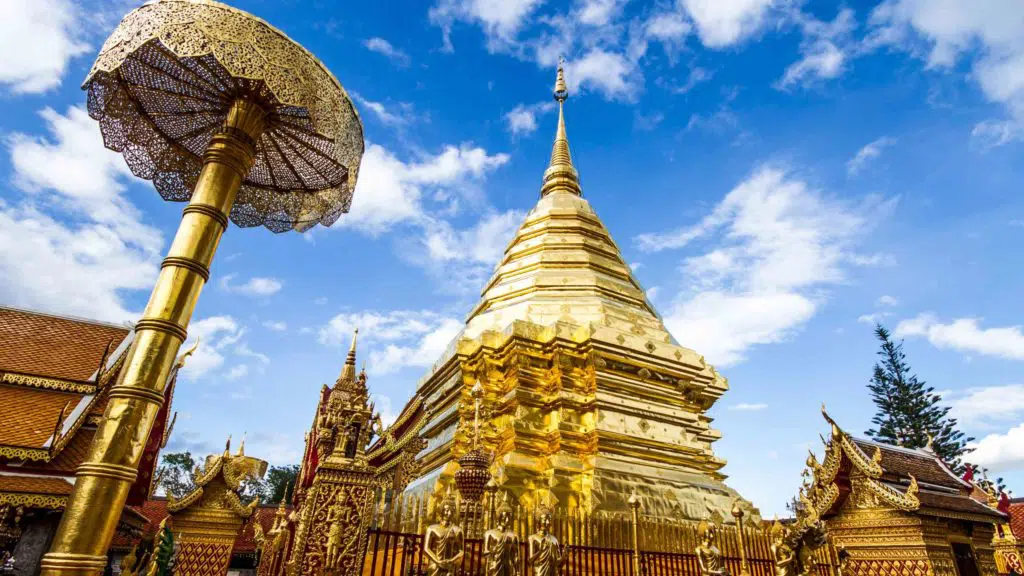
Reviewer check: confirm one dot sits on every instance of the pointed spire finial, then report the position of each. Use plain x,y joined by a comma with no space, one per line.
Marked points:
561,175
241,446
348,371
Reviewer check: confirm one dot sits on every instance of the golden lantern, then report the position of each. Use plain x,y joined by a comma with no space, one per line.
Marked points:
220,109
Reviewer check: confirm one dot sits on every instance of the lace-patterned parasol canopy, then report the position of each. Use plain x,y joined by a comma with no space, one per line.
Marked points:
162,86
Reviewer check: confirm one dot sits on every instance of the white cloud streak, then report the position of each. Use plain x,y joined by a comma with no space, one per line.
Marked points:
965,335
780,243
37,40
382,46
869,153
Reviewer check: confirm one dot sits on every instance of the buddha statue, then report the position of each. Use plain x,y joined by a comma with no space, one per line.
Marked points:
708,555
501,544
444,543
783,555
544,552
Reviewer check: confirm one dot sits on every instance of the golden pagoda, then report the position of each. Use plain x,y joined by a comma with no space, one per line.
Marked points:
586,397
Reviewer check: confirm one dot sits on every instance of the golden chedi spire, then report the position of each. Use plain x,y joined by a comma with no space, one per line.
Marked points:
348,371
561,175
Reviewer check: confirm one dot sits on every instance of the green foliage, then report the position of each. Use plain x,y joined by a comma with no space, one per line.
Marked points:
909,412
175,473
280,482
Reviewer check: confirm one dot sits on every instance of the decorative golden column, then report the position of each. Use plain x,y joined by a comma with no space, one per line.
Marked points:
221,110
634,506
737,513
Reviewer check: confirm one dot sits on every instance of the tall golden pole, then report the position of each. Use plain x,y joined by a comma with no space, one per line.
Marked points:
737,513
634,505
218,108
103,480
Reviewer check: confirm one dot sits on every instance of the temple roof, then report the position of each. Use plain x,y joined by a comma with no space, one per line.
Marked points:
55,374
911,481
1017,517
54,346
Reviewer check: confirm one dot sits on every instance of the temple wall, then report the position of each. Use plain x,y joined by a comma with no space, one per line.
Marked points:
884,542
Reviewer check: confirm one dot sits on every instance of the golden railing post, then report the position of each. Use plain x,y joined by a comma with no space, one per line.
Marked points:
737,513
103,480
634,505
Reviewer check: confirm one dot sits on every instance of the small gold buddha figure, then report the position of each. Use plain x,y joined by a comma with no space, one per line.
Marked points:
501,544
545,553
444,543
708,556
782,554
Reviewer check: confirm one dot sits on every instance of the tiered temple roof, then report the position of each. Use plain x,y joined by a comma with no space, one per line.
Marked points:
55,373
903,479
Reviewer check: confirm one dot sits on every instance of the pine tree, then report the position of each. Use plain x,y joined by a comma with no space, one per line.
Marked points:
909,413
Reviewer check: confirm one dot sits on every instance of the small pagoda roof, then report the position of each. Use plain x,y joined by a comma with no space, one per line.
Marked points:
908,480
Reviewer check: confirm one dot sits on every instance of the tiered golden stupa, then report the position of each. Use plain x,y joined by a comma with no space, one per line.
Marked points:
587,397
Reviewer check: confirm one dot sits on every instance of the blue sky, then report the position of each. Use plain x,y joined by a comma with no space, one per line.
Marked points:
779,173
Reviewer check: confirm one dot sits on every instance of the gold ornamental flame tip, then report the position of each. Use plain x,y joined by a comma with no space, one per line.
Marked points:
163,85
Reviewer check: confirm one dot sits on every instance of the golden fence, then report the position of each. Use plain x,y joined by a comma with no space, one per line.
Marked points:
597,544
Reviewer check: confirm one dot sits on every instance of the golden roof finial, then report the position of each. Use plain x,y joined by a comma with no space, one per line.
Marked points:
348,371
241,446
561,175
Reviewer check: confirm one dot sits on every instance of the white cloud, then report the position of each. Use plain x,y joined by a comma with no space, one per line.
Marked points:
73,243
781,243
218,337
886,300
387,117
867,154
1000,452
722,23
275,326
989,134
214,335
825,47
391,191
745,407
965,335
395,339
599,12
240,371
500,19
609,73
987,405
647,123
276,448
37,40
255,286
873,318
988,32
382,46
667,26
522,119
464,258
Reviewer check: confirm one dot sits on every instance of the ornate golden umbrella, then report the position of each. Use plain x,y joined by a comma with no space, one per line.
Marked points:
219,109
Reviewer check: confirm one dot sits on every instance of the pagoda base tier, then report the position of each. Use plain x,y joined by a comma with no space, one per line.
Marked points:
580,417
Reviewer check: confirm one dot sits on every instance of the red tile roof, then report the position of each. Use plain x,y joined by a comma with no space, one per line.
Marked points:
903,462
55,486
957,503
244,544
30,414
1017,517
54,346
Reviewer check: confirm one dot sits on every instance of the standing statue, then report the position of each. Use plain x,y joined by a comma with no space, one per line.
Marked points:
843,556
444,543
782,554
335,530
709,557
501,544
545,554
